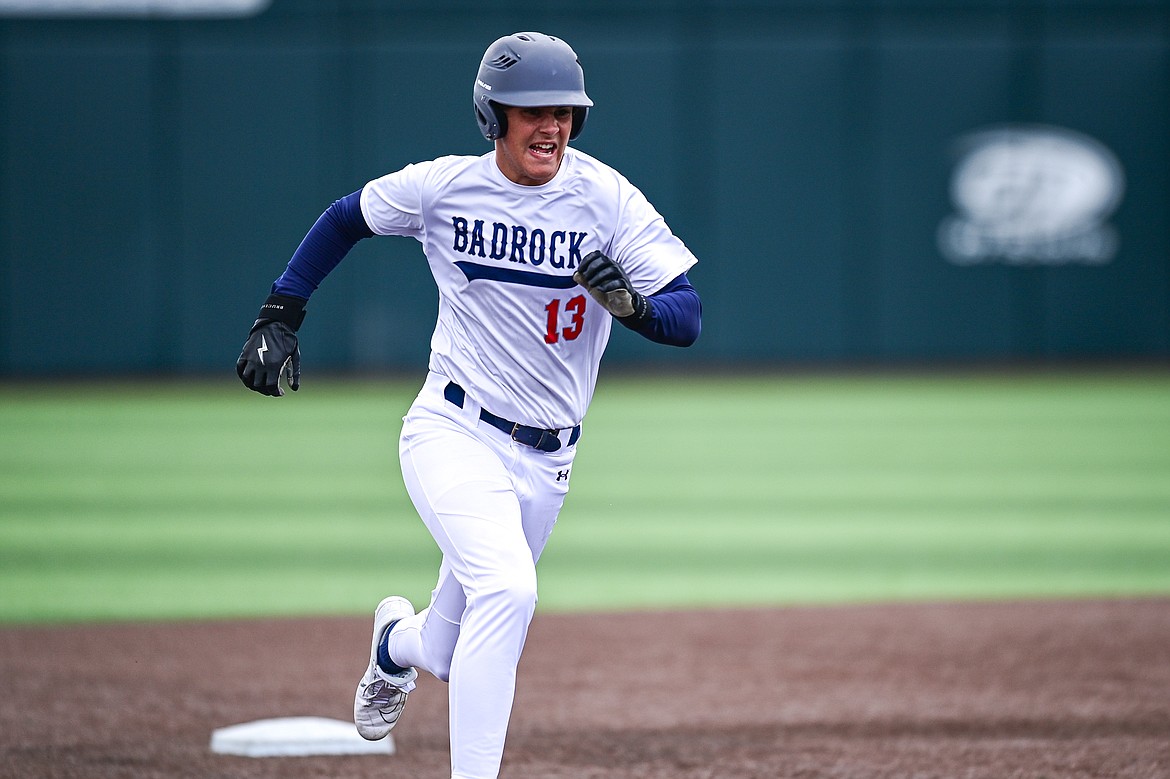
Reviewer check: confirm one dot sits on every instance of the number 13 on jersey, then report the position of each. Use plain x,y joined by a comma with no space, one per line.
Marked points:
565,324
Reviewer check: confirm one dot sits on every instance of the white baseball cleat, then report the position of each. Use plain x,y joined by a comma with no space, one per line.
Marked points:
380,696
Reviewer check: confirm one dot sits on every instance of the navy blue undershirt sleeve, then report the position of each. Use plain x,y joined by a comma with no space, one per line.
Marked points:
676,314
328,241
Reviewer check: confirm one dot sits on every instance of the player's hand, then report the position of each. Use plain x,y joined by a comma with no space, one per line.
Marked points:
609,285
270,351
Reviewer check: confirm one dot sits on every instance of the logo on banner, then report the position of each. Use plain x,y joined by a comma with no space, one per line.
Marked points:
1032,195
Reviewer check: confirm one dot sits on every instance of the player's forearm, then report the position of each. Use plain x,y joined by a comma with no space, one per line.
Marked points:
327,242
675,316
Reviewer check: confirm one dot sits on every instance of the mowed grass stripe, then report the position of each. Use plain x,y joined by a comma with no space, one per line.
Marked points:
132,501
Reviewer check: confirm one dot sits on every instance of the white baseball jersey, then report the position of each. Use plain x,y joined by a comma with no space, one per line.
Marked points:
513,328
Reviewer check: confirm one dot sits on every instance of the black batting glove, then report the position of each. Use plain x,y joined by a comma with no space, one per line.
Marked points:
272,349
609,285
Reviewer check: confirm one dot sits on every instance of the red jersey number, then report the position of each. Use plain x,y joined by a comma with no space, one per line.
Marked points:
574,310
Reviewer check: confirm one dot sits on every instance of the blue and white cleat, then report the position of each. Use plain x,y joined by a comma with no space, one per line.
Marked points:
380,696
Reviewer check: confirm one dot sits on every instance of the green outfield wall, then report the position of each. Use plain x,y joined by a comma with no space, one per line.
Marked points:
864,182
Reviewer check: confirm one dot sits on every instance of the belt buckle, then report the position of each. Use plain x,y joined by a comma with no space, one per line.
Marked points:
546,441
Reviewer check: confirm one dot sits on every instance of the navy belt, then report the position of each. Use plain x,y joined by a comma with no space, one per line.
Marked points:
544,439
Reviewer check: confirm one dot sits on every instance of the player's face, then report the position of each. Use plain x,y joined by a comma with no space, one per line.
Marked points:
530,152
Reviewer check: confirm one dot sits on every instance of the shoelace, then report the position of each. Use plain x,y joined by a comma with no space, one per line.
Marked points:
382,693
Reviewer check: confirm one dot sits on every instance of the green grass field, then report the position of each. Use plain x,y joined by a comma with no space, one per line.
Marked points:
134,501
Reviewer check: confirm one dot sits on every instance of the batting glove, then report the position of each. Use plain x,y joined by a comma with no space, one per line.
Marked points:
272,349
609,285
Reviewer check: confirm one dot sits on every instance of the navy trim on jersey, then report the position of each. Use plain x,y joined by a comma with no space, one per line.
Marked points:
326,244
474,271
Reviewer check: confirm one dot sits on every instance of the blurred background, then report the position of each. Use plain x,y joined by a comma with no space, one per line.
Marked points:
886,196
864,181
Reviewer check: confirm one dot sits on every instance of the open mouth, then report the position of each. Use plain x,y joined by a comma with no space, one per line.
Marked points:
543,149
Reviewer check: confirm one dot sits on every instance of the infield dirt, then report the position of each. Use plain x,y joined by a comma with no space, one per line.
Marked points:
1034,690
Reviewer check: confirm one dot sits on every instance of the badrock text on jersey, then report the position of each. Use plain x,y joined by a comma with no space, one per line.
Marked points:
515,243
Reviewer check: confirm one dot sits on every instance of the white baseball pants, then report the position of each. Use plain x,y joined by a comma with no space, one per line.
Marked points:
490,503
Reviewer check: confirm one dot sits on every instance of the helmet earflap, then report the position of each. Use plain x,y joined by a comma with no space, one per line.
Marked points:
579,114
492,119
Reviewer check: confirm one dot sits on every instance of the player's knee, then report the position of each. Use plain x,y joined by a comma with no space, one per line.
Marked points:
522,591
511,595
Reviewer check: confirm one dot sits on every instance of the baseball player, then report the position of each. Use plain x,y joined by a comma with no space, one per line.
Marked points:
536,248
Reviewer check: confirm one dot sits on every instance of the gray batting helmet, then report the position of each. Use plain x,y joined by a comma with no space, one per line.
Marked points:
528,69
